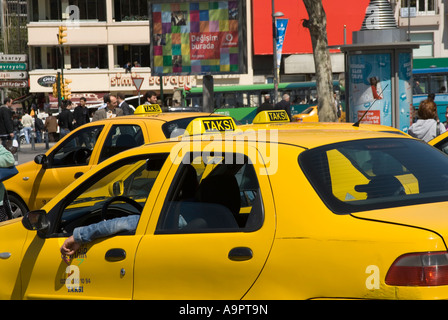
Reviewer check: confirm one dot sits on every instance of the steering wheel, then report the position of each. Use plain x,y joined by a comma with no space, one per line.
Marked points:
80,156
132,202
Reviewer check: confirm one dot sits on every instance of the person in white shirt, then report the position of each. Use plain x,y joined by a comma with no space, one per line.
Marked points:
27,122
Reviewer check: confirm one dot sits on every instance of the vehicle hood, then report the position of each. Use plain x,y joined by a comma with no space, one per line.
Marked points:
430,216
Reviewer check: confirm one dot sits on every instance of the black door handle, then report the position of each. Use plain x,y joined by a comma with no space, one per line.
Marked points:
240,254
78,174
115,255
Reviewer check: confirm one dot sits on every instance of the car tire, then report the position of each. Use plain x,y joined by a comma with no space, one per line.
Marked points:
18,207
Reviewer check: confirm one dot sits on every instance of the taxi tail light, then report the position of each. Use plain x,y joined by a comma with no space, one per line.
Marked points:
419,269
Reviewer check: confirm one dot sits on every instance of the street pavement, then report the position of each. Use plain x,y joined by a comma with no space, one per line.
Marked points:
27,152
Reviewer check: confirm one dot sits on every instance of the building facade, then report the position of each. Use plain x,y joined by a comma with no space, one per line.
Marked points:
103,35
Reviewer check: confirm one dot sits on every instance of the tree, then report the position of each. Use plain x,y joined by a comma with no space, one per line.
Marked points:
317,25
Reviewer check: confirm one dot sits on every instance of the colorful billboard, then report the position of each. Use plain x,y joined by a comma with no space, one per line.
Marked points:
370,88
197,37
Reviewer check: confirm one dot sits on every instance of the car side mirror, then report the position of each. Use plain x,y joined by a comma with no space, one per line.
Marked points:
117,188
36,221
41,159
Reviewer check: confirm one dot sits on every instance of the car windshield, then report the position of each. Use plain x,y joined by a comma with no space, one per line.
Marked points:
376,173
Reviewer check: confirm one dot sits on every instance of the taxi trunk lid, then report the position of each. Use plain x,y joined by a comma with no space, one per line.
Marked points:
429,216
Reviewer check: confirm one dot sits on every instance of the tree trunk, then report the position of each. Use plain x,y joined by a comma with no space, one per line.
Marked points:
317,25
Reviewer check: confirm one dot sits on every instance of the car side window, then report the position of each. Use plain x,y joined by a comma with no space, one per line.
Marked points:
215,194
76,149
118,190
120,138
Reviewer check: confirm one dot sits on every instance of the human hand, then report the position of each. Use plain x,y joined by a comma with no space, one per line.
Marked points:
70,246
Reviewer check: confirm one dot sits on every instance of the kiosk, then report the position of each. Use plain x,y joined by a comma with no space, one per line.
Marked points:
379,70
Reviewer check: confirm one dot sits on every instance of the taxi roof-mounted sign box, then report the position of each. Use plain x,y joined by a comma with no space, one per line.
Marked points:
270,116
210,125
148,109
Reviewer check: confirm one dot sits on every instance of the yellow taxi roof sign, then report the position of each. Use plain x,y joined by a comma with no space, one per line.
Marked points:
148,109
271,116
210,124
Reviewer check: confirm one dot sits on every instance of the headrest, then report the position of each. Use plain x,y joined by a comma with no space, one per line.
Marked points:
381,186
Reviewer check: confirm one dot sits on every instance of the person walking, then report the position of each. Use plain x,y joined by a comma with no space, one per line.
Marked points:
51,126
428,126
284,104
123,105
65,120
266,105
17,127
6,160
27,122
6,123
81,113
111,110
38,128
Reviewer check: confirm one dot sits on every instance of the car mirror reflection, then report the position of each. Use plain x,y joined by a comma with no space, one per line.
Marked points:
36,220
41,159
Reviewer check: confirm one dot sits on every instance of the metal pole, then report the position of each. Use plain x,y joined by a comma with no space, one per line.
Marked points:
409,20
161,90
58,84
274,54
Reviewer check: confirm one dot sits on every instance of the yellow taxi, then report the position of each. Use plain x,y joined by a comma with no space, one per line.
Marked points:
307,115
243,214
40,181
440,142
278,119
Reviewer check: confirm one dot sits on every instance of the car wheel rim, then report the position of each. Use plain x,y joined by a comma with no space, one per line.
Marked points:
16,212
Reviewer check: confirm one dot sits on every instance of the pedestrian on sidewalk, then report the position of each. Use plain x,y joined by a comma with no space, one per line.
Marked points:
38,128
6,160
51,126
17,127
27,122
6,124
65,120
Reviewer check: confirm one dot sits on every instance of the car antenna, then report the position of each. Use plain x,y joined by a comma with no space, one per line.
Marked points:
356,124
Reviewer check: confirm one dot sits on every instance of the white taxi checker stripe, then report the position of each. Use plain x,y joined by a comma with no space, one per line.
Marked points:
148,108
270,116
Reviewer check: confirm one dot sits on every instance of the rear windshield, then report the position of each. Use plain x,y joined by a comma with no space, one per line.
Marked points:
172,129
376,173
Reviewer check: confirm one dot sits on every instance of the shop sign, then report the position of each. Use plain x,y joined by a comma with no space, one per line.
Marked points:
125,80
175,81
46,81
